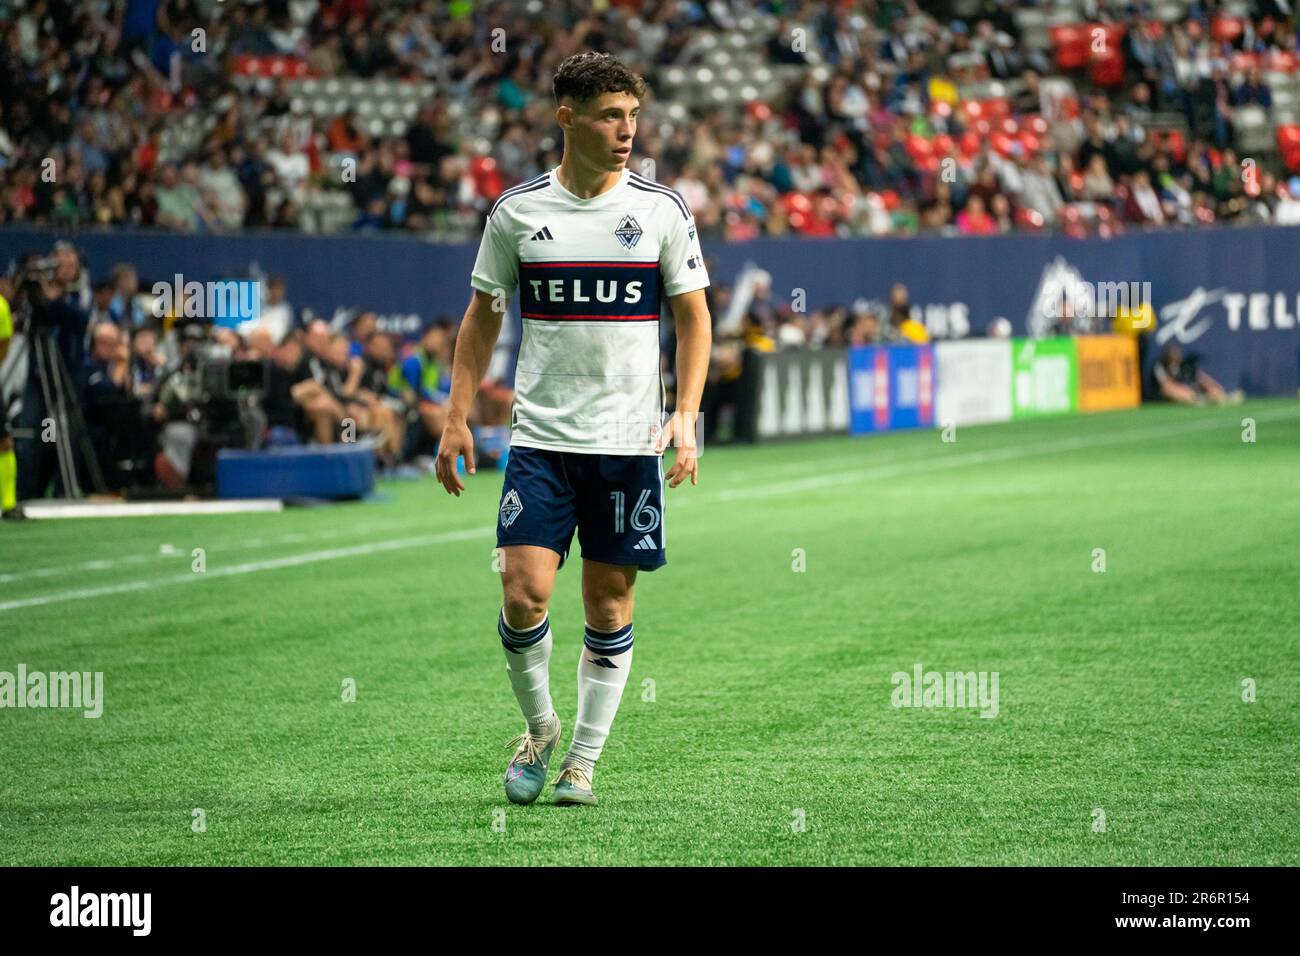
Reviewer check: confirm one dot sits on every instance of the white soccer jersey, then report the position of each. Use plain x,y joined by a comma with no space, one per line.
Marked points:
590,275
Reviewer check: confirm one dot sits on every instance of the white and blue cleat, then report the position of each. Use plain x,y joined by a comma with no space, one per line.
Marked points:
526,774
573,787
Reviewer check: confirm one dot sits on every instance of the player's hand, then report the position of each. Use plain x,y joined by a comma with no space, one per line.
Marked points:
456,440
687,461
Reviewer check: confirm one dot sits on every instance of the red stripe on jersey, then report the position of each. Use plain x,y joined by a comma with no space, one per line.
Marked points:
589,265
609,318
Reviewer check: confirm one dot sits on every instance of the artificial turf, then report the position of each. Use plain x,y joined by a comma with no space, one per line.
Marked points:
757,727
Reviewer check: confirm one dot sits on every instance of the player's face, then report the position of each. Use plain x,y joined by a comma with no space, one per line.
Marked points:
602,131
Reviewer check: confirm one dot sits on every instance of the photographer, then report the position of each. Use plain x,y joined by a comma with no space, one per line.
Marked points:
146,363
179,411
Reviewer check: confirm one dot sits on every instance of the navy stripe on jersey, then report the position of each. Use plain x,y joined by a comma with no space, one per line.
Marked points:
526,184
646,185
532,185
589,291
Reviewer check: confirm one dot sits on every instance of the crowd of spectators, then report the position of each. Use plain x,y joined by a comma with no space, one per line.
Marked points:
151,385
869,134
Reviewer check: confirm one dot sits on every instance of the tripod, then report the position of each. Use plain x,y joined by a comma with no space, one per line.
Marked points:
62,408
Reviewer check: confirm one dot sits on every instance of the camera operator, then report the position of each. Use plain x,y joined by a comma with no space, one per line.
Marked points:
73,293
47,307
179,411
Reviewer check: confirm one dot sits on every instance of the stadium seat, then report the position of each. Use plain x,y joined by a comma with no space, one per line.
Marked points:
1254,129
1071,43
1226,29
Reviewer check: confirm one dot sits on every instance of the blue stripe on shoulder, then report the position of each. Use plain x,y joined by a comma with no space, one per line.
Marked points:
531,186
636,182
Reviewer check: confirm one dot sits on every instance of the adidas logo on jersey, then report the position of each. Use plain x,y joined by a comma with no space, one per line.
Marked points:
646,543
543,233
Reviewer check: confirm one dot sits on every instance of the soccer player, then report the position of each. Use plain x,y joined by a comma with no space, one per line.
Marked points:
591,248
8,463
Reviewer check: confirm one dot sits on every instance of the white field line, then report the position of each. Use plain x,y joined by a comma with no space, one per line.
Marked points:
814,483
250,567
183,551
957,459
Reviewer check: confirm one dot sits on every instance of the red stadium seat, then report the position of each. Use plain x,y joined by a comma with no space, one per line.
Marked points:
918,146
1226,29
1071,44
1177,145
1284,62
1288,138
1288,144
273,66
997,108
1107,69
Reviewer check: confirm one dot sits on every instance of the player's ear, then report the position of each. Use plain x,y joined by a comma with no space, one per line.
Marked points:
564,116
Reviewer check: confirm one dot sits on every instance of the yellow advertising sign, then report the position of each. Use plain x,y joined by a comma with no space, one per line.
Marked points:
1109,376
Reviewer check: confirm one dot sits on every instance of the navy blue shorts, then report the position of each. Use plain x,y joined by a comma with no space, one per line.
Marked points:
616,502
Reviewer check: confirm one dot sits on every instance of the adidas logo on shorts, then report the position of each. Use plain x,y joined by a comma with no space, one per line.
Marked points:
647,543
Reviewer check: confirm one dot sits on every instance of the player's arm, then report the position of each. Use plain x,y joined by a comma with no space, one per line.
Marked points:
474,343
694,343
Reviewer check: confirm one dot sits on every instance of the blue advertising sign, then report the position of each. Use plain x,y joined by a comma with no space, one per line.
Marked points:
891,387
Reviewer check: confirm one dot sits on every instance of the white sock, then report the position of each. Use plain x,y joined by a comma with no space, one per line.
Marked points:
528,659
603,667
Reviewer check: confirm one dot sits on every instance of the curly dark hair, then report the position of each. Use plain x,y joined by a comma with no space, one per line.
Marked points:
585,76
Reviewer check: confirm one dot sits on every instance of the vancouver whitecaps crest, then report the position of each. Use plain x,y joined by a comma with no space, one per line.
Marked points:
628,232
511,506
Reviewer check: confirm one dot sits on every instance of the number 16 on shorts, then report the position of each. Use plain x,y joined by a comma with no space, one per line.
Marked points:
644,517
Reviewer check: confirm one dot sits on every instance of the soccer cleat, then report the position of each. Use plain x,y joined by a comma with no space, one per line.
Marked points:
526,774
573,787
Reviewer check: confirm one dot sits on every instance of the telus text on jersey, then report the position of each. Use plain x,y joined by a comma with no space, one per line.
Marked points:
578,290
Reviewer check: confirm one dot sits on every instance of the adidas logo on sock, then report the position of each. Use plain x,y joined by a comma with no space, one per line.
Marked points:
543,233
645,544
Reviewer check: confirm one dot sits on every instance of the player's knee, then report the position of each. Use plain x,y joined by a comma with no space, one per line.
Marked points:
525,604
607,612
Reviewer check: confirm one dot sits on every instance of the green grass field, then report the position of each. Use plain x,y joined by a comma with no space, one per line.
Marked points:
1120,692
